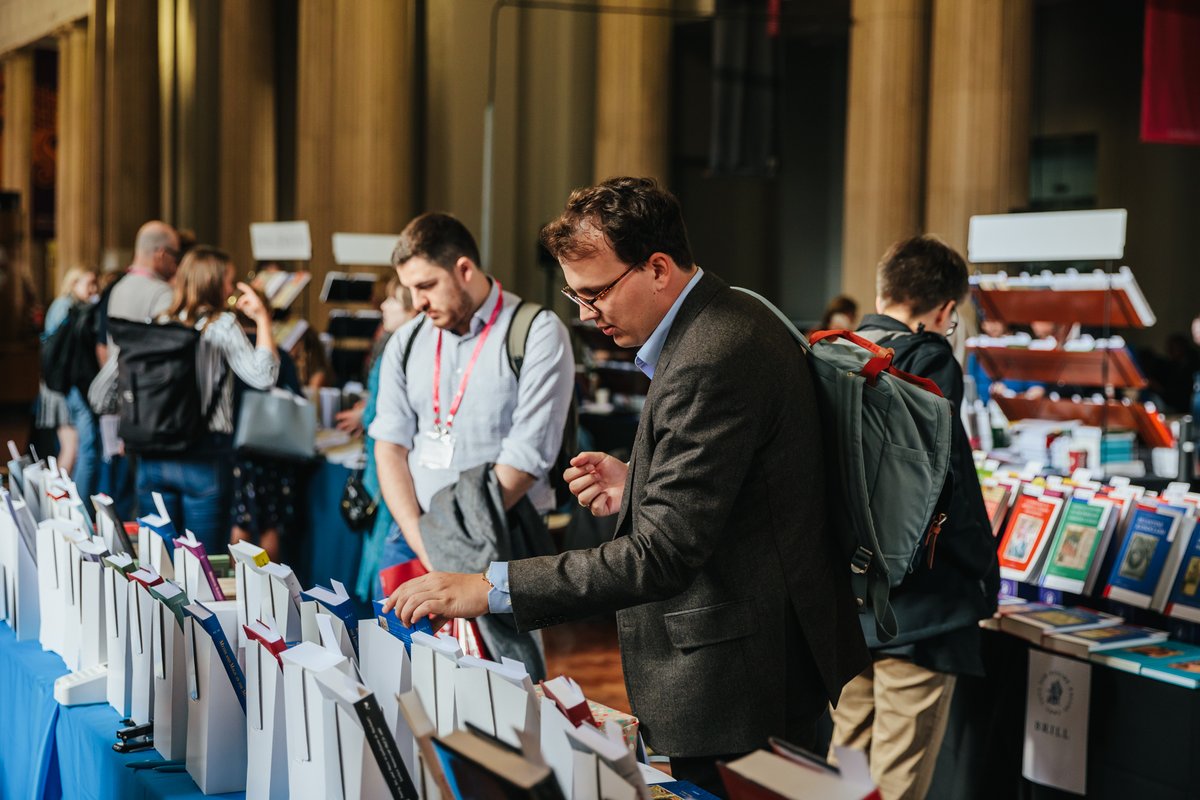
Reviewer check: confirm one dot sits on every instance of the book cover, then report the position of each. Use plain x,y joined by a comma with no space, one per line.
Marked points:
1139,563
1185,672
1082,643
110,526
480,770
1078,547
194,546
393,625
1023,548
1034,625
1135,659
1183,600
995,500
337,601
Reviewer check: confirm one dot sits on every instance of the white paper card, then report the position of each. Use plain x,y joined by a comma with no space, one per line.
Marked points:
1056,721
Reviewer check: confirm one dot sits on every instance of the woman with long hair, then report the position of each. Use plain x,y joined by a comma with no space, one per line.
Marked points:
68,412
196,488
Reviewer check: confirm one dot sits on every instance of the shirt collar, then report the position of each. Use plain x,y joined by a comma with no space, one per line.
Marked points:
647,355
484,312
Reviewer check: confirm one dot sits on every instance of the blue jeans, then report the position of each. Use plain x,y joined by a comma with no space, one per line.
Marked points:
116,481
87,463
395,551
196,493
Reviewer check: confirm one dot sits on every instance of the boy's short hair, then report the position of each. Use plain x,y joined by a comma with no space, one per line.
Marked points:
438,238
922,273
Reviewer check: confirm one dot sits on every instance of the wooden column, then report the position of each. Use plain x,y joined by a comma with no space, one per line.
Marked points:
17,170
246,144
354,123
131,172
633,70
979,99
885,140
74,194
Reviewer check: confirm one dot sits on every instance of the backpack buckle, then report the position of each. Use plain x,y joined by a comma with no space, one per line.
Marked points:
860,561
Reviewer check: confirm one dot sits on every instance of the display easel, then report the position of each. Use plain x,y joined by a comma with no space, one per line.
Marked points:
1105,298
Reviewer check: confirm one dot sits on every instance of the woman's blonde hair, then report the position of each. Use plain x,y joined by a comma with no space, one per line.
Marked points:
71,277
200,283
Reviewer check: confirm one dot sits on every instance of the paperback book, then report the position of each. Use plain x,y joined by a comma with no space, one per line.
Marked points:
1079,546
1027,535
1083,643
1140,563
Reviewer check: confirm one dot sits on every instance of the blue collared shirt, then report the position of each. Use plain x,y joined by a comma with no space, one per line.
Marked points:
499,597
647,355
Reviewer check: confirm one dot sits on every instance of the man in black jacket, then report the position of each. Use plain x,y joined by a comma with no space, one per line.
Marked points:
897,709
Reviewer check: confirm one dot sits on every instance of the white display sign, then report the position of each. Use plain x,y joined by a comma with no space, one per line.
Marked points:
364,249
1056,722
1047,236
281,241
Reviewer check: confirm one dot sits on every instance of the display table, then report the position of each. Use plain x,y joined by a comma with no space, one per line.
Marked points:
1142,734
55,752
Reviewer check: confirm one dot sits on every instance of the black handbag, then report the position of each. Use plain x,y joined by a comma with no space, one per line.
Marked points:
358,507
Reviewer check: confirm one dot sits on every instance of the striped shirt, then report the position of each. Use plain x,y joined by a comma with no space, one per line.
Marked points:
225,349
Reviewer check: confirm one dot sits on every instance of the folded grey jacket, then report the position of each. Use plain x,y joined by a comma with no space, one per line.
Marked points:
466,529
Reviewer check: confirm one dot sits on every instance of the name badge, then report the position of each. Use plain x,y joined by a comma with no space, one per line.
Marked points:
438,451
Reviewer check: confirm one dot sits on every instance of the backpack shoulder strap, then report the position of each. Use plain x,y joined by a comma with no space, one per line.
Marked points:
518,334
408,346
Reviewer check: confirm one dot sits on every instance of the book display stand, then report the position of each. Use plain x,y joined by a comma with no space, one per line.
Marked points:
1103,299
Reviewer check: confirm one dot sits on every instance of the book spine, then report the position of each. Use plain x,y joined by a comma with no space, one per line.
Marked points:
212,626
383,746
209,575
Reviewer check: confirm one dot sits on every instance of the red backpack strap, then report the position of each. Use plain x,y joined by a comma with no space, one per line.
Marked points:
881,360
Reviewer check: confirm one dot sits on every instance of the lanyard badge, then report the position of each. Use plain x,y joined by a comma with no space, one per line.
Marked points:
437,451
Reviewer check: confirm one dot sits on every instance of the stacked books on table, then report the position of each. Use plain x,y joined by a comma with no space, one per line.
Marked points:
1074,631
1168,661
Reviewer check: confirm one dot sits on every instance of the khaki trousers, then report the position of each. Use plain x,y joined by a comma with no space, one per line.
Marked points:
896,713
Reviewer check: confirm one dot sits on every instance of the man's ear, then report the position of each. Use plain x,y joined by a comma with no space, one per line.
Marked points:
465,268
944,312
662,266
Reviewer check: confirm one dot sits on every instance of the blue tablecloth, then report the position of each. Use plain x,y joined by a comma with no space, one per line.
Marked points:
54,752
29,714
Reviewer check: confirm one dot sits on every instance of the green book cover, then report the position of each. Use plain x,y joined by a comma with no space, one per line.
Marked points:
1077,541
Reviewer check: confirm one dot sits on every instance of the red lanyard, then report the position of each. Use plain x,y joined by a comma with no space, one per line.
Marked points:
462,386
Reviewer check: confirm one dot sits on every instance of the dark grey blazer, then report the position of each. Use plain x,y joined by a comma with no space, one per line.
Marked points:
736,618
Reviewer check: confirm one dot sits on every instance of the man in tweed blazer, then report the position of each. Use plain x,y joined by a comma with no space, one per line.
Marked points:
734,609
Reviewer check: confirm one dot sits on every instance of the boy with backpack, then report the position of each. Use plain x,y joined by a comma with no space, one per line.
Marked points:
896,711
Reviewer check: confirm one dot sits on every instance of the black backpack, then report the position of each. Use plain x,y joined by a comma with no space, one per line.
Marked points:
514,344
157,387
69,355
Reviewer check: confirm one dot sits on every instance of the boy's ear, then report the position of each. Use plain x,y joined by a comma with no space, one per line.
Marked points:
880,305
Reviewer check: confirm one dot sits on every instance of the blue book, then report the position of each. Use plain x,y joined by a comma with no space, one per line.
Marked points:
392,624
1152,656
337,601
681,789
1184,599
211,625
1138,569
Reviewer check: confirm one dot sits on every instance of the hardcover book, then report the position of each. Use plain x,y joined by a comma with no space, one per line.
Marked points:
1153,656
1027,535
1082,643
1139,564
1079,546
995,500
1035,625
477,769
1183,602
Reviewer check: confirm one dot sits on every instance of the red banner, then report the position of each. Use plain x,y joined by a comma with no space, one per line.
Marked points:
1171,72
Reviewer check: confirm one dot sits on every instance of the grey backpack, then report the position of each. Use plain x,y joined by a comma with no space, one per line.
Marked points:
888,436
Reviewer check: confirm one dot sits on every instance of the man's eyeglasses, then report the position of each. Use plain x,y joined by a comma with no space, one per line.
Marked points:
590,302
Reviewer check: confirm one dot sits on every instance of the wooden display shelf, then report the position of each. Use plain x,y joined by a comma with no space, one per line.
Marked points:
1061,367
1090,307
1149,425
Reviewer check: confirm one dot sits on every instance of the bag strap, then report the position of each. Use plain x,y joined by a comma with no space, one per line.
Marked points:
408,346
518,334
880,362
805,345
